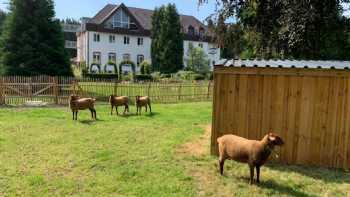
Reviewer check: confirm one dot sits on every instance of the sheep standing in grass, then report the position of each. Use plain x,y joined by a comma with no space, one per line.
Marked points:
117,101
143,101
253,152
76,103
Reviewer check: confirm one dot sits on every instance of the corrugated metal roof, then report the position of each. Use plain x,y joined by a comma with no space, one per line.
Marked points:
285,63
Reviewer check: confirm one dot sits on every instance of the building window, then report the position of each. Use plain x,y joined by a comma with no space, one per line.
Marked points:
191,30
140,59
111,39
97,58
126,40
120,19
126,57
201,32
96,37
200,45
140,41
112,57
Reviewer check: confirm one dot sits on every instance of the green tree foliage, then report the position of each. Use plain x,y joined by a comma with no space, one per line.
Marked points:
286,28
167,40
32,41
197,61
2,19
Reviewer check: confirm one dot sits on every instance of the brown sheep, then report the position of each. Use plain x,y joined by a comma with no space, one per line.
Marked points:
253,152
143,101
117,101
76,103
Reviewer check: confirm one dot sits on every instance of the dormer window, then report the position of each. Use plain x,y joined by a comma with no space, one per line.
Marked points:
191,30
121,19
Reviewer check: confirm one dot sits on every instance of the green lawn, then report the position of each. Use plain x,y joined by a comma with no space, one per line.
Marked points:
44,153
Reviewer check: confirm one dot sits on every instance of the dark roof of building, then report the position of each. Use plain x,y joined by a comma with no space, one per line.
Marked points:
144,17
324,64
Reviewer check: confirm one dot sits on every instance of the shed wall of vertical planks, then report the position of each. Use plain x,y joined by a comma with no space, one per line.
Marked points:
308,108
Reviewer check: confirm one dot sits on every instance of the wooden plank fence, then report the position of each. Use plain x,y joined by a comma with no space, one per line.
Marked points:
309,108
16,90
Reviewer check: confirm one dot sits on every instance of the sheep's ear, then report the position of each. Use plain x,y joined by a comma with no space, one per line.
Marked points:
272,138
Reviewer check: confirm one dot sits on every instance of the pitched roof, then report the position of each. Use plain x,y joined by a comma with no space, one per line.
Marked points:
144,17
328,64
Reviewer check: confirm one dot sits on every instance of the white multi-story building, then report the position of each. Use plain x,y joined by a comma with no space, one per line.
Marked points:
119,33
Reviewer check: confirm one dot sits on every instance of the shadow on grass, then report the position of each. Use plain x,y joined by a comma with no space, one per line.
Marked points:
283,189
151,115
90,122
324,174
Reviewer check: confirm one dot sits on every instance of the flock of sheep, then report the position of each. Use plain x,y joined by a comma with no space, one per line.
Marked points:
254,153
76,103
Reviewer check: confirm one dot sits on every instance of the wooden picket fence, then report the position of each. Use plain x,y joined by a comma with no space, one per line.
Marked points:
17,90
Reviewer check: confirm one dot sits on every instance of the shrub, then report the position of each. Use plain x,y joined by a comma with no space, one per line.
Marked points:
101,76
165,76
198,77
145,67
143,78
185,75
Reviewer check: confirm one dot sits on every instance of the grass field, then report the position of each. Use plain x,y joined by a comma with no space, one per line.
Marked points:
44,153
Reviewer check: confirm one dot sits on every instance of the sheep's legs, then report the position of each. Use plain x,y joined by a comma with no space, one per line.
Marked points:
251,174
221,163
126,109
258,174
95,114
112,110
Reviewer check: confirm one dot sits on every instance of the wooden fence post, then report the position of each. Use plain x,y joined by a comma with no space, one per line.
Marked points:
149,89
2,96
55,89
116,87
180,92
30,89
209,86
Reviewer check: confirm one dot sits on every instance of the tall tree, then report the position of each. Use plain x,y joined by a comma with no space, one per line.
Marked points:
289,28
156,37
2,19
32,41
167,40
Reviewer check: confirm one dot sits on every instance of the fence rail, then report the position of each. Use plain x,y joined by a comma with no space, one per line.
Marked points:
16,90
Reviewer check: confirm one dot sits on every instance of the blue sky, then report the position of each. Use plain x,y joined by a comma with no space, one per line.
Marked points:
88,8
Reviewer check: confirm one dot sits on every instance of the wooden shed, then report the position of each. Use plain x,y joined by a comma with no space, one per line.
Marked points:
306,102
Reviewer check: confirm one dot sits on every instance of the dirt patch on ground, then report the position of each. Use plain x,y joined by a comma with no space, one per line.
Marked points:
199,147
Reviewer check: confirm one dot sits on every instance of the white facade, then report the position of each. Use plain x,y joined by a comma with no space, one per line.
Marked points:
122,44
87,47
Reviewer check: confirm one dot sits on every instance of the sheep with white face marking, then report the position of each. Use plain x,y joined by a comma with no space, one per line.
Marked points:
253,152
